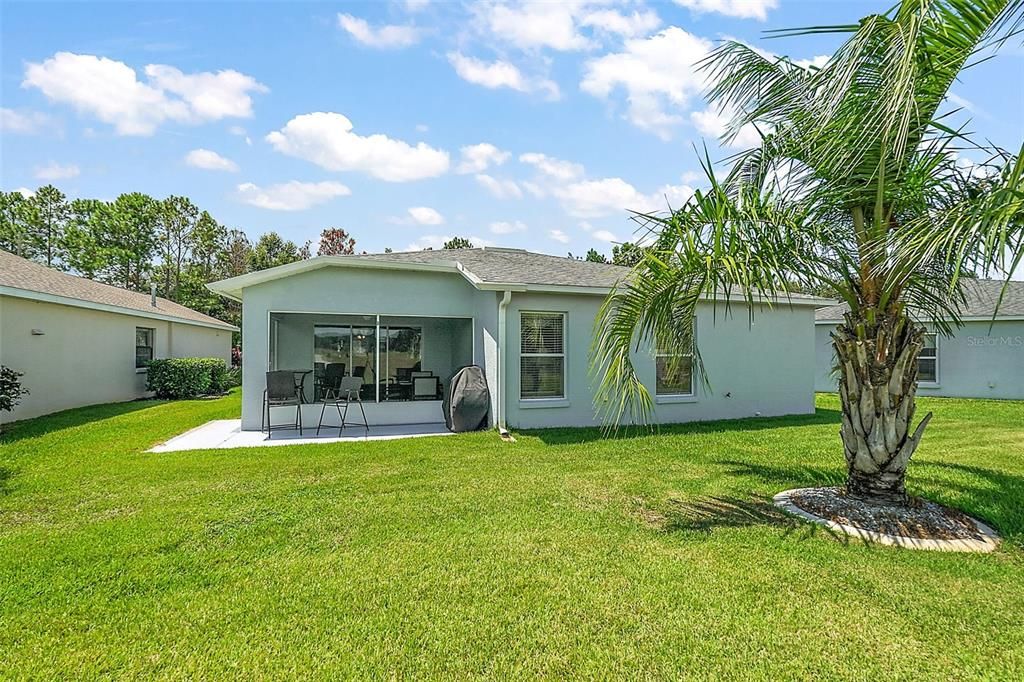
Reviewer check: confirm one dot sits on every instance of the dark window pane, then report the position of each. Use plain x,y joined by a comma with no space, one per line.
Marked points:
677,382
541,377
926,369
143,354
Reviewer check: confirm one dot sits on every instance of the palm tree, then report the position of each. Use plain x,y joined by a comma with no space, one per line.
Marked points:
857,189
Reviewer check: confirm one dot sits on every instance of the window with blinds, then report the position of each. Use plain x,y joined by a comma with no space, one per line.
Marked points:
143,347
928,361
542,356
674,371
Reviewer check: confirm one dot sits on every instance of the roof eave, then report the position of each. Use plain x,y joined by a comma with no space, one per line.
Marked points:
44,297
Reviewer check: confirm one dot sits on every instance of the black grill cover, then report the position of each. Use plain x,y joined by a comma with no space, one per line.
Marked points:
466,400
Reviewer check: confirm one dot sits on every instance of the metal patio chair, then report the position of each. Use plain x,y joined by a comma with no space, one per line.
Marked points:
281,392
348,393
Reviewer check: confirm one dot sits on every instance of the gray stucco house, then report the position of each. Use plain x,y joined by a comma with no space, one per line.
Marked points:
526,318
80,342
984,359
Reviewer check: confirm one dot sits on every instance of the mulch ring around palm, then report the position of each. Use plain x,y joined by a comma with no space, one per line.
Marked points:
918,525
919,519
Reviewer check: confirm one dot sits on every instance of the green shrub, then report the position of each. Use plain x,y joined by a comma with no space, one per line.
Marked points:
11,389
234,377
178,378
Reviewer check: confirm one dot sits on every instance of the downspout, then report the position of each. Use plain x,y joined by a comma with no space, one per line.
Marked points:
499,393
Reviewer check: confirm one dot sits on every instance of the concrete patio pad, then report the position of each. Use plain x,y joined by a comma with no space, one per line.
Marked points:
227,433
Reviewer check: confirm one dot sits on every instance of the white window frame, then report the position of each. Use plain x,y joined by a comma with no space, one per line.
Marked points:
152,347
564,355
937,353
660,354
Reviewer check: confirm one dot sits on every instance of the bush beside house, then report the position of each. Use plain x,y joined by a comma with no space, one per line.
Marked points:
179,378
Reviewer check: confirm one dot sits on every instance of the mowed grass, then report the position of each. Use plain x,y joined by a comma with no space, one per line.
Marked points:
562,554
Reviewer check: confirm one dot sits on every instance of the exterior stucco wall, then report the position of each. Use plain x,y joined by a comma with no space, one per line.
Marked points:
762,369
978,362
85,356
349,292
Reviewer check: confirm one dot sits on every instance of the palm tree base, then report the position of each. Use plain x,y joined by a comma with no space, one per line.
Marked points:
884,488
877,385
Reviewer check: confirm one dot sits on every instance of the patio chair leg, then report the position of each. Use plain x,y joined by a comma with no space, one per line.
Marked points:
321,422
366,423
298,417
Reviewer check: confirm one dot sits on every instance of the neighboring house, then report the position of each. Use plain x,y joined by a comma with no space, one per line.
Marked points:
984,359
80,342
526,318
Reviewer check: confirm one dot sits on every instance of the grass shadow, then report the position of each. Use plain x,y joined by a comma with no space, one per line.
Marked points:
993,496
786,476
14,432
708,514
569,436
6,475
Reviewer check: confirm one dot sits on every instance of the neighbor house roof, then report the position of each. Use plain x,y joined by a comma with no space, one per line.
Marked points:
487,268
23,278
982,298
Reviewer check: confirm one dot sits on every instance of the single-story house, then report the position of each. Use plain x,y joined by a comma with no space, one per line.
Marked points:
983,359
526,318
79,342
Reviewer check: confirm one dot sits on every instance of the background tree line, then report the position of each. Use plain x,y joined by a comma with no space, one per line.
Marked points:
136,241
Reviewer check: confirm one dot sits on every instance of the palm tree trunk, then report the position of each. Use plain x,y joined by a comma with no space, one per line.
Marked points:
877,366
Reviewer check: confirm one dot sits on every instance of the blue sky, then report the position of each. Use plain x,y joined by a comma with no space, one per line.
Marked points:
529,126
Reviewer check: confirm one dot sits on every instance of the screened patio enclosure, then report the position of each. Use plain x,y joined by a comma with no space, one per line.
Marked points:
404,361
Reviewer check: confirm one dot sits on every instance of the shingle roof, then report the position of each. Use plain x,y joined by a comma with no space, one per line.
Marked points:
982,296
496,265
18,273
486,268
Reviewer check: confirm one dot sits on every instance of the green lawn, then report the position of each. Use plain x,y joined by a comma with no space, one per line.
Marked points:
560,554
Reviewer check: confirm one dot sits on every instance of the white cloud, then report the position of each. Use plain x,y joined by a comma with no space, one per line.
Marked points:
742,9
500,189
715,123
110,91
534,25
416,5
291,196
604,236
326,139
608,196
210,96
556,169
424,215
25,192
656,73
422,127
387,36
210,160
585,226
819,61
559,236
436,241
500,74
23,122
508,227
56,171
631,25
479,157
